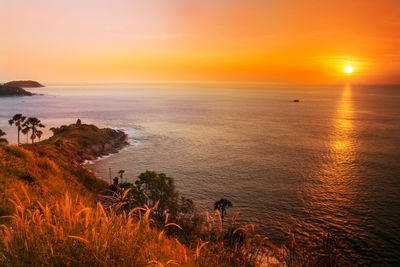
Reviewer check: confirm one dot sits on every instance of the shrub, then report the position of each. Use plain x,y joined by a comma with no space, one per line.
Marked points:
158,187
61,129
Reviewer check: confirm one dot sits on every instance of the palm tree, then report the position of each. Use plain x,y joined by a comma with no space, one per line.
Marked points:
25,130
33,124
2,140
18,119
39,134
221,205
121,174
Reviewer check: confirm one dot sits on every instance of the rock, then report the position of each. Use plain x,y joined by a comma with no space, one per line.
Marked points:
117,141
13,91
24,84
87,142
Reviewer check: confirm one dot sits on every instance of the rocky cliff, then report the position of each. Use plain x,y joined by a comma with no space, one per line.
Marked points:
86,142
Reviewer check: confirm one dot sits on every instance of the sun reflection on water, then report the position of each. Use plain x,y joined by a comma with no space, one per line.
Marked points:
342,141
331,193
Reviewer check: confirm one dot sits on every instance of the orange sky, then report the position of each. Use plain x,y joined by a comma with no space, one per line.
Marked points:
200,40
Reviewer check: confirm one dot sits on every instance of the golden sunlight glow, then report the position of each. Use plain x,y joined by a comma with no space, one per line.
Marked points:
348,69
171,40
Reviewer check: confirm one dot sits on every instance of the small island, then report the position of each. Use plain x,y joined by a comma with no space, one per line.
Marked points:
15,88
24,84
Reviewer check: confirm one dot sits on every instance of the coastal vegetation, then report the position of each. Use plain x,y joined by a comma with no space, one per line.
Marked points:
55,211
121,174
25,126
33,124
221,206
68,232
18,120
2,139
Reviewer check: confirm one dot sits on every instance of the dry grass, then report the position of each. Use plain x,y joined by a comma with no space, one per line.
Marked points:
71,233
48,178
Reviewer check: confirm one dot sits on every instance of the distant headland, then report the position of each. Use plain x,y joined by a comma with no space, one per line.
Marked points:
14,88
24,84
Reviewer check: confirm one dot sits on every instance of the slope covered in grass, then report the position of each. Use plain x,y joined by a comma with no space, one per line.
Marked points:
51,167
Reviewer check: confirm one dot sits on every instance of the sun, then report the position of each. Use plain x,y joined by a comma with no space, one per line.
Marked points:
348,69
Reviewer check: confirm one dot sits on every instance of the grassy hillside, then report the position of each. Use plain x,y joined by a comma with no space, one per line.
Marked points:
51,167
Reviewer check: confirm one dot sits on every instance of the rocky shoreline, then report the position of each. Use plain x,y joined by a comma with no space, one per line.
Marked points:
118,140
80,142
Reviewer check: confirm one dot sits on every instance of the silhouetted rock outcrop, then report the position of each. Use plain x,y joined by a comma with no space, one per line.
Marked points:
13,91
14,88
24,84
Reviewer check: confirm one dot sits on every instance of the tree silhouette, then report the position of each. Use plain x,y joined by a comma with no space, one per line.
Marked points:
158,187
221,205
121,175
2,140
18,120
25,130
39,134
33,124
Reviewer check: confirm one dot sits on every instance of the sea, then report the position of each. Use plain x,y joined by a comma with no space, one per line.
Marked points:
329,163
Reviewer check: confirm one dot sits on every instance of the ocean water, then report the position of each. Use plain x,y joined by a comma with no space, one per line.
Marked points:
330,163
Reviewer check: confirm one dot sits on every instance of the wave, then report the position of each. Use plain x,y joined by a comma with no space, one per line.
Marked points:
130,131
132,142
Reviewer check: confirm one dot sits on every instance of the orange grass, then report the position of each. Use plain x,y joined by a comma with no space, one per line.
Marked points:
68,232
47,176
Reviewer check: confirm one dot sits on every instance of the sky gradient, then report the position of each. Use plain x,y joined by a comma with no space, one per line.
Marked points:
200,40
